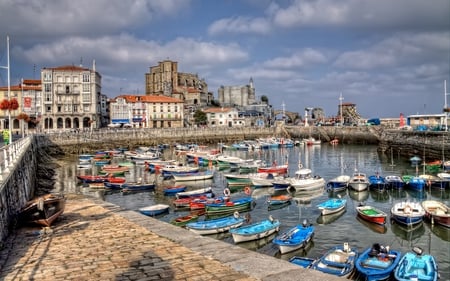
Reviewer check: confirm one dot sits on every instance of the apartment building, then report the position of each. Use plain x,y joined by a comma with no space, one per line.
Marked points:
71,98
149,111
224,117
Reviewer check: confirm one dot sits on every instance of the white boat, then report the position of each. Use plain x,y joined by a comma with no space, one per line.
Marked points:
195,192
407,213
359,181
331,206
338,183
303,180
198,176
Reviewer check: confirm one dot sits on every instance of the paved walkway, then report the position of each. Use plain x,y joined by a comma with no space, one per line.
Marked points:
95,240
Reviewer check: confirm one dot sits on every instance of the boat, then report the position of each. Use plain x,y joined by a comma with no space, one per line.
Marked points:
237,179
415,183
278,169
200,203
377,262
185,201
92,178
281,184
214,226
194,176
240,204
437,212
371,214
377,182
112,185
137,186
331,206
172,190
170,170
255,231
321,219
339,260
154,210
279,199
416,266
183,220
311,141
407,213
359,181
338,183
394,181
262,179
295,238
196,192
43,210
304,262
303,180
435,181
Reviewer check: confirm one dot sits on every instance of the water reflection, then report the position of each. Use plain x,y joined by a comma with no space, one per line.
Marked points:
326,161
377,228
408,233
327,219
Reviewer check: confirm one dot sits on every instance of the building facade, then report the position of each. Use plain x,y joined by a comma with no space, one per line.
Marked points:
224,117
71,98
149,111
237,95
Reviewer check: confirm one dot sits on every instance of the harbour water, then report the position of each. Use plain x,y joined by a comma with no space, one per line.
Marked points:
324,160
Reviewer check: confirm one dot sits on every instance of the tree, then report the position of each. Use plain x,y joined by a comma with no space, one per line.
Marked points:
265,99
200,117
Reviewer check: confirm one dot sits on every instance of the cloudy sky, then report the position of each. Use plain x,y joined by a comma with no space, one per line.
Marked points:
387,57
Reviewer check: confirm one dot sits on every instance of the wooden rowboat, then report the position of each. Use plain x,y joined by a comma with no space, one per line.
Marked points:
371,214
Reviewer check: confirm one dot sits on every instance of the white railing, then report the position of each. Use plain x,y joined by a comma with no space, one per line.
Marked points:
9,154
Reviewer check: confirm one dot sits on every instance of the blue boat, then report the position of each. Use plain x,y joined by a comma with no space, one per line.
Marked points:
417,266
338,183
255,231
113,185
304,262
339,260
415,183
137,186
331,206
154,210
394,181
377,182
295,238
172,190
216,225
377,262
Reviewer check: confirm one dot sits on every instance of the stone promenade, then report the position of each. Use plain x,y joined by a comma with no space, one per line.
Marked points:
95,240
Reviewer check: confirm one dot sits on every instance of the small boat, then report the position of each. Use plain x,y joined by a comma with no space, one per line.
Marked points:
377,262
194,176
295,238
238,179
195,193
84,166
435,181
304,262
43,210
255,231
394,181
112,185
371,214
137,186
414,182
416,266
154,210
185,201
172,190
437,212
218,225
200,203
339,260
279,199
338,183
92,178
170,170
331,206
183,220
377,182
303,180
359,181
407,213
281,184
240,204
278,169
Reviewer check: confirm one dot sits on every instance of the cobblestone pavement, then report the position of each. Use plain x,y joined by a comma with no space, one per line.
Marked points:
99,241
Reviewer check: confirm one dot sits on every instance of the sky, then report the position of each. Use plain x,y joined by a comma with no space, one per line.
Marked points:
386,57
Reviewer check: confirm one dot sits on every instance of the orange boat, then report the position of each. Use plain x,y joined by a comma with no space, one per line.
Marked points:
279,169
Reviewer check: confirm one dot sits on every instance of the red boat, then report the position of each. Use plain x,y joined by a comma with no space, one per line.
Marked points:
97,179
199,204
437,212
371,214
184,202
279,169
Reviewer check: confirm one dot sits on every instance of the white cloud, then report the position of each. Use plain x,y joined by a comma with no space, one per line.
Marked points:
301,58
240,25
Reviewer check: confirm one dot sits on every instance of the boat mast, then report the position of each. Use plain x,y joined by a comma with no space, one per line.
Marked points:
445,104
9,88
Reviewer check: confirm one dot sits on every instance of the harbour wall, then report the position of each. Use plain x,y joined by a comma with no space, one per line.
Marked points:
18,169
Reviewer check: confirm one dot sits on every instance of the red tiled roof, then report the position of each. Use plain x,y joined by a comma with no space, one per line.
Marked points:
68,68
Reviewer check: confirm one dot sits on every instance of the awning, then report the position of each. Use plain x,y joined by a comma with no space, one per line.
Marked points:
120,121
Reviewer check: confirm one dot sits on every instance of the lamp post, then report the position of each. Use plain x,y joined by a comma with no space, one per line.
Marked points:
9,89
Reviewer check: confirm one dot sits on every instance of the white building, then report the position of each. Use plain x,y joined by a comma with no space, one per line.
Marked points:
224,117
71,97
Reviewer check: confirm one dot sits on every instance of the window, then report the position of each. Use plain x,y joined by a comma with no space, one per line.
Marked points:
47,77
154,108
58,108
86,97
86,77
48,109
47,87
86,87
67,89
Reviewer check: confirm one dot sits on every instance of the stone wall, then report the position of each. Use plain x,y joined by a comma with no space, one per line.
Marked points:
17,185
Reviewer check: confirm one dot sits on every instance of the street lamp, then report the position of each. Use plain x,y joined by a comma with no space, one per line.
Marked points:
9,88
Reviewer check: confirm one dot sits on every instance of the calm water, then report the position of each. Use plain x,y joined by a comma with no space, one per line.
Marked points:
325,160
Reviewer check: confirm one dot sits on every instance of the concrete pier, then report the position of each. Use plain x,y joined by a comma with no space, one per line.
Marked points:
95,240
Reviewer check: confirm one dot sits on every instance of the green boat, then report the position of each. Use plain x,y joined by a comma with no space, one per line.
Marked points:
241,204
182,221
238,179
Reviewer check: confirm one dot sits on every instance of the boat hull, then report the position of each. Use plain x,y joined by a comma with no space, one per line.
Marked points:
43,210
377,266
215,226
294,239
371,214
255,231
437,212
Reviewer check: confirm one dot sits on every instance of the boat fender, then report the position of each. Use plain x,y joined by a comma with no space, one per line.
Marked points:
271,218
247,190
226,192
236,215
40,204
